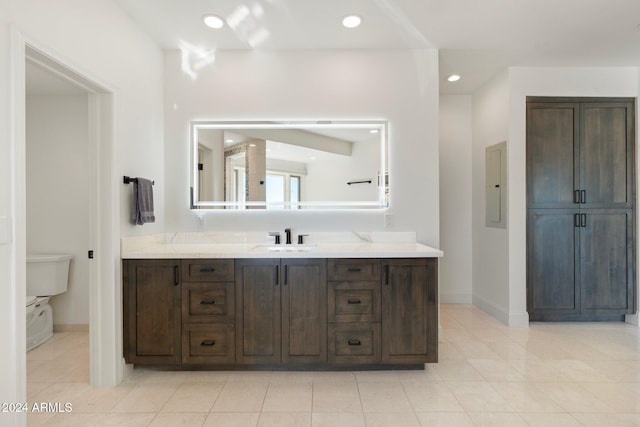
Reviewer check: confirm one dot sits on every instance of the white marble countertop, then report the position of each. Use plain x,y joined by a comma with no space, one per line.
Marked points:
255,245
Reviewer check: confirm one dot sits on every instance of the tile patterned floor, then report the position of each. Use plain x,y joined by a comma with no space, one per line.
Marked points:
573,374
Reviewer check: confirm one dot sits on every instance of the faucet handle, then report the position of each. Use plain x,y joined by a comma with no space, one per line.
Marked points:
301,238
276,235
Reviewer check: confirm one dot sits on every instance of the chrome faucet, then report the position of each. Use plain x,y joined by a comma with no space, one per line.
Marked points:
288,233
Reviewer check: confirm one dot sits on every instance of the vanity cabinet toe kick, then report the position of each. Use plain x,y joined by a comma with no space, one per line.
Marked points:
307,313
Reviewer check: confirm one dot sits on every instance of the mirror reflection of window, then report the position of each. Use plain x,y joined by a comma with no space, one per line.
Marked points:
275,191
294,192
239,187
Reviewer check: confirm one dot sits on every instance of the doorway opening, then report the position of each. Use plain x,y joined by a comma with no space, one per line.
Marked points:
106,365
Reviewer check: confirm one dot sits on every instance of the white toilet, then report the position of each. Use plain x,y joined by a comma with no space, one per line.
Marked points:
47,275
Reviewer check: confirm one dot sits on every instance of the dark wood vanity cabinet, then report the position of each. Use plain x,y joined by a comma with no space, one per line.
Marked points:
281,312
152,321
354,311
208,311
409,310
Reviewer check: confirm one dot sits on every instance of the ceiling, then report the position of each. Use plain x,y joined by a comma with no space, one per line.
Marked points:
476,39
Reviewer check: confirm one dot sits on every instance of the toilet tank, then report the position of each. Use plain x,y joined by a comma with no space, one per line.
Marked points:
47,274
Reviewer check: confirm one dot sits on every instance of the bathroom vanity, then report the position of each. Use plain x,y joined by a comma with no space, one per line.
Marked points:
347,305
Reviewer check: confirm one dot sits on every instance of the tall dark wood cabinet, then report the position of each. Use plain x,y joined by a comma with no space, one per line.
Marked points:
580,208
152,318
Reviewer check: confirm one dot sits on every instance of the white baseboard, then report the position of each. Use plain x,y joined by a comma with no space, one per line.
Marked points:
74,327
455,298
513,320
632,319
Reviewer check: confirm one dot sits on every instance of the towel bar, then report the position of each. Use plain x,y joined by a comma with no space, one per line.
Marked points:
129,180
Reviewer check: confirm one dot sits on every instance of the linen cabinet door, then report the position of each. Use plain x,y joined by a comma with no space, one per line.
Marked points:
606,244
607,155
553,290
552,155
152,314
409,312
304,310
258,321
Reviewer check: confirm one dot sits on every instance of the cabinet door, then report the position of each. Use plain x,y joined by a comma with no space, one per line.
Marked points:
258,322
552,153
409,318
552,282
606,154
152,311
304,310
606,246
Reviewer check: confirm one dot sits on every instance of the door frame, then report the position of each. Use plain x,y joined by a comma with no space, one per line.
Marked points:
106,364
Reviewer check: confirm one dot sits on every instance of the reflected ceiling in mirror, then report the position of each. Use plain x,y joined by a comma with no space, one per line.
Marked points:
289,165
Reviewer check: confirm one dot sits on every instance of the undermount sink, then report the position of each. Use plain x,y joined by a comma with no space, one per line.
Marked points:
291,248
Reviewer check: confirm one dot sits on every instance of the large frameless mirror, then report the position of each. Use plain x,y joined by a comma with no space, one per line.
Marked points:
289,165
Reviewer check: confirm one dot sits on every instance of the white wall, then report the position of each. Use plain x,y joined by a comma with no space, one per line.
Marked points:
455,272
58,180
523,82
100,39
401,86
490,245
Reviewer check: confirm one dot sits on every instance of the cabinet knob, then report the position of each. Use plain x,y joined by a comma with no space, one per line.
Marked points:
354,342
208,301
208,343
353,301
207,270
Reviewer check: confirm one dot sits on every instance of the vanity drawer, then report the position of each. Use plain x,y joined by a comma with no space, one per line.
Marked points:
354,302
207,270
208,344
354,343
353,269
208,302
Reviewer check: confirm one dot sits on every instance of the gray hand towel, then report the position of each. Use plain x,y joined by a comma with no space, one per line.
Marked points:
142,211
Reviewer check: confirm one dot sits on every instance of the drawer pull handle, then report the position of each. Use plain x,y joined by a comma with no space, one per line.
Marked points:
354,269
208,343
207,270
353,301
354,342
208,301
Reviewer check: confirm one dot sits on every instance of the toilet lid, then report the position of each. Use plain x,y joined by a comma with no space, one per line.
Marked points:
31,300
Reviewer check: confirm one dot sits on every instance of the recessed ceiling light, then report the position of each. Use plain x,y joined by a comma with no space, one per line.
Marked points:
453,78
213,21
373,131
351,21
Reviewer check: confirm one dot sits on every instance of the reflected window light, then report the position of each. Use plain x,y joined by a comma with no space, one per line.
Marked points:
194,58
238,15
257,10
258,37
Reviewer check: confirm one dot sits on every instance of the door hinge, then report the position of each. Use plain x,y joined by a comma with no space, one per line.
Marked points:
90,254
